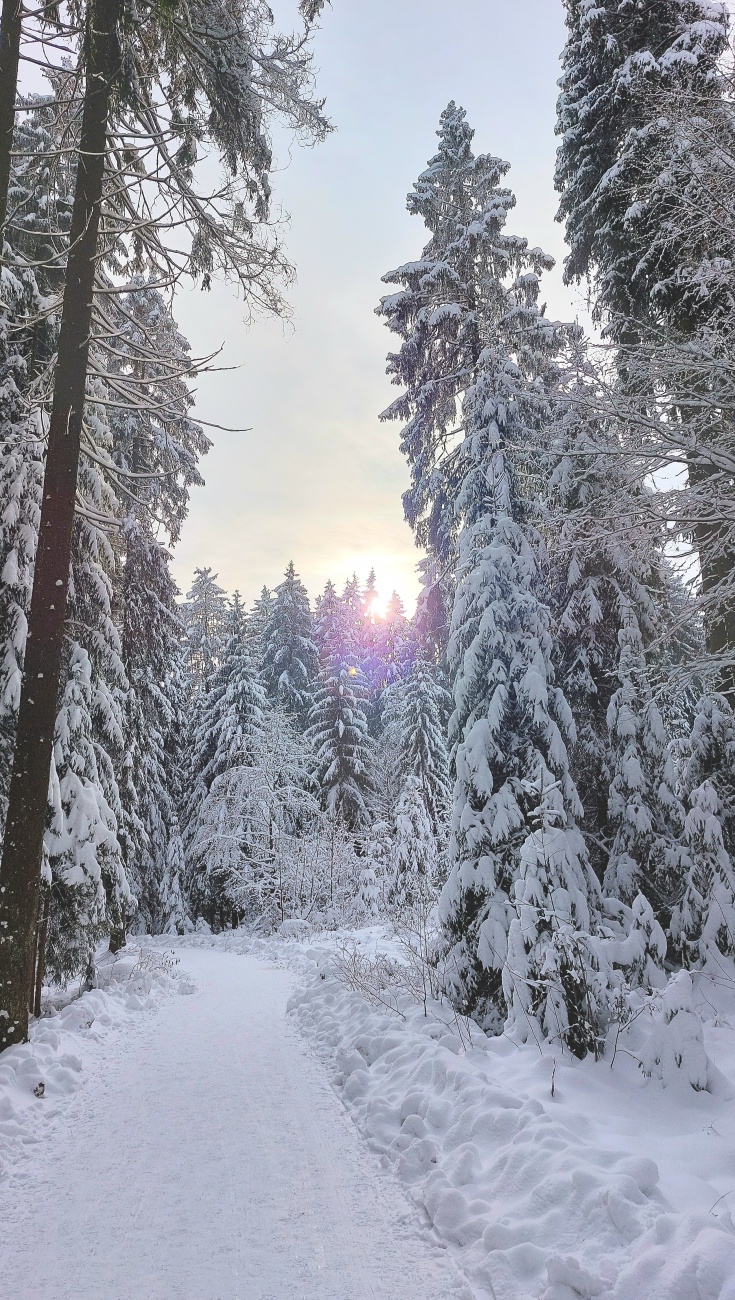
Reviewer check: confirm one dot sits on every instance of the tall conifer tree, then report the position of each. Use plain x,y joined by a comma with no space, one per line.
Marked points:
290,656
437,310
338,732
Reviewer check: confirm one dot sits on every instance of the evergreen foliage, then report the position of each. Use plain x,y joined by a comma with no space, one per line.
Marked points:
519,748
511,723
617,55
602,575
153,724
290,655
423,711
440,311
415,849
85,870
229,718
205,618
644,809
21,481
549,979
338,733
703,923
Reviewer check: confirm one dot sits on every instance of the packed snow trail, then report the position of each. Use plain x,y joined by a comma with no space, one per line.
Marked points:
207,1158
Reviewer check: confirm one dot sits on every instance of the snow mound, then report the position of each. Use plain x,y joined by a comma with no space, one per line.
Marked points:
549,1179
38,1078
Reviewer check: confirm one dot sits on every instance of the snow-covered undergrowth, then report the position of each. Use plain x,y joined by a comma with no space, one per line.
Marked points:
552,1179
549,1179
39,1078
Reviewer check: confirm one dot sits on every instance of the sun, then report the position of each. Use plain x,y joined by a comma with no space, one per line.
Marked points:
378,607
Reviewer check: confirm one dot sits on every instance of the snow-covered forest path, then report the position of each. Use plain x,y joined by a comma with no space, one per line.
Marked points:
206,1157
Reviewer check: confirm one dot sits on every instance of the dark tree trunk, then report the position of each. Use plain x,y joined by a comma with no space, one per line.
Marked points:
9,56
118,935
20,872
716,566
41,952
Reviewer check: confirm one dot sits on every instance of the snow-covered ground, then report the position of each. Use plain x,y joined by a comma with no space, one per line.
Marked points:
195,1148
39,1080
552,1179
203,1156
547,1178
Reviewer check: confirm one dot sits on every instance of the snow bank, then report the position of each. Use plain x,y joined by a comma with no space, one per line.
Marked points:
549,1179
39,1078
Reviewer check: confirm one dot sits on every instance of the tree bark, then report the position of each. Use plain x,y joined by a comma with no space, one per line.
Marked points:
41,952
118,934
716,566
21,862
10,26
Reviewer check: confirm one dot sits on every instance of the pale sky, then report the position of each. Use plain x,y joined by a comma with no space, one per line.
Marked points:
319,478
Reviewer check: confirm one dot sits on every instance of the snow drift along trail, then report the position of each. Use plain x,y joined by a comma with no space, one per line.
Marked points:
206,1157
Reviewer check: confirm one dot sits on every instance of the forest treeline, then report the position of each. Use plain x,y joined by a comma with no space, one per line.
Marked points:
542,759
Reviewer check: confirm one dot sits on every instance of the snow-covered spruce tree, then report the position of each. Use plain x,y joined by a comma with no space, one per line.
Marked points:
204,706
424,705
331,626
605,547
616,56
703,921
21,480
256,828
155,449
152,650
205,619
675,1048
92,624
257,621
174,914
91,668
704,917
338,733
644,810
510,728
551,982
83,864
372,663
395,642
229,722
290,656
369,595
354,617
511,723
439,312
646,125
414,865
712,758
379,853
144,459
43,186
